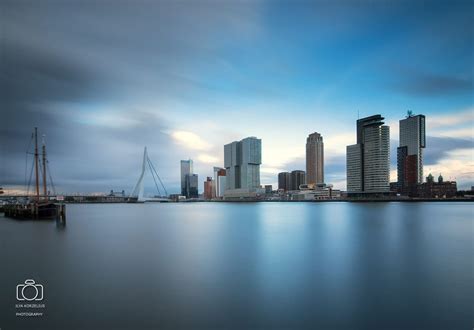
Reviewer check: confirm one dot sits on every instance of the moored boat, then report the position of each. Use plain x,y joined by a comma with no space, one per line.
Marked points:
37,207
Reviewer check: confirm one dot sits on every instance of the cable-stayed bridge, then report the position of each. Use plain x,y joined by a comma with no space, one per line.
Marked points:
137,194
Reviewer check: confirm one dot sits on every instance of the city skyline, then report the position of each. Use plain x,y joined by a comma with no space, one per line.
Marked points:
217,73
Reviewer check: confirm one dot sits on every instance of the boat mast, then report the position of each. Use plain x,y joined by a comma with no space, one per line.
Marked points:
36,164
45,193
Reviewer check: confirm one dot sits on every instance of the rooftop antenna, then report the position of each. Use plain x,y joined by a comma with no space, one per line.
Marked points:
409,113
358,117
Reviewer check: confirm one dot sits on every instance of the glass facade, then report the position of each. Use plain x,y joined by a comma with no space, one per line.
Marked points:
242,161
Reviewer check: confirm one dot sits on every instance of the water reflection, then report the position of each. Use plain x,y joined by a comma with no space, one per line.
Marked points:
249,265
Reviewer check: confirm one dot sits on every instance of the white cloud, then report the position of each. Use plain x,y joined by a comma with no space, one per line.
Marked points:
458,166
208,159
190,140
451,119
270,170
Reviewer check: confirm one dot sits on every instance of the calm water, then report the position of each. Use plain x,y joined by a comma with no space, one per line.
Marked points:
263,265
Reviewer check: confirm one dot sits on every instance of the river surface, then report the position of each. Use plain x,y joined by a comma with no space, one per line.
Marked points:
244,265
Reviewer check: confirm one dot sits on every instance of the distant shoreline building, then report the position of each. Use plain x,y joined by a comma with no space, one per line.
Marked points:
440,189
189,180
242,161
368,161
298,178
209,192
314,159
284,181
219,181
410,152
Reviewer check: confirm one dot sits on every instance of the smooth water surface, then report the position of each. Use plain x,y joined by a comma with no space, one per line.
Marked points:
245,265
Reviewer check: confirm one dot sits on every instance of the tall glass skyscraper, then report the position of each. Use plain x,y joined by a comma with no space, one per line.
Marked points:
368,161
242,161
189,181
314,159
409,153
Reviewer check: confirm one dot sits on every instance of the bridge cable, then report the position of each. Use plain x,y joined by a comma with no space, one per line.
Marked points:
151,170
159,177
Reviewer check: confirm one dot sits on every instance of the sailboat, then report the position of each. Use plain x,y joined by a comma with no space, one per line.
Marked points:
38,207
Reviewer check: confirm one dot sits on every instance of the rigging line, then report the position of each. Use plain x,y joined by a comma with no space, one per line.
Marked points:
26,157
156,184
166,193
29,181
50,177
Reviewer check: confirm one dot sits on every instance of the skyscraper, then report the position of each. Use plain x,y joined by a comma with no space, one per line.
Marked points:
186,169
314,159
409,153
220,182
191,189
215,186
297,178
242,161
209,192
284,181
368,161
189,181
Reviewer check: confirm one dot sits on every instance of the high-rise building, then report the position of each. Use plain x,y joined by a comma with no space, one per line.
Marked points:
284,181
409,153
189,181
297,178
209,188
191,186
368,161
242,161
314,159
219,181
186,169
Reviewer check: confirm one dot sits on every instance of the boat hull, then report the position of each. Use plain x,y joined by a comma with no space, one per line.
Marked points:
34,211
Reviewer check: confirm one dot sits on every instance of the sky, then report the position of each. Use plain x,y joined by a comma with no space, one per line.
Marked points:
103,79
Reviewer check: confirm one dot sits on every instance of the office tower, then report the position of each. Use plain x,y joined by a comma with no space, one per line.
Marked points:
297,178
314,159
186,169
409,153
242,161
220,182
191,186
209,188
284,181
215,181
354,168
368,161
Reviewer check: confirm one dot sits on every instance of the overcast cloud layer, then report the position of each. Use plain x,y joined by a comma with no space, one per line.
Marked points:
103,79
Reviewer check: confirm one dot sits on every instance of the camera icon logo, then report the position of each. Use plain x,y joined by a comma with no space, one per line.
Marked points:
29,291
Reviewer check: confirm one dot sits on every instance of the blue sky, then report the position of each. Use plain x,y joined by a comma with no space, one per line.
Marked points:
184,78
